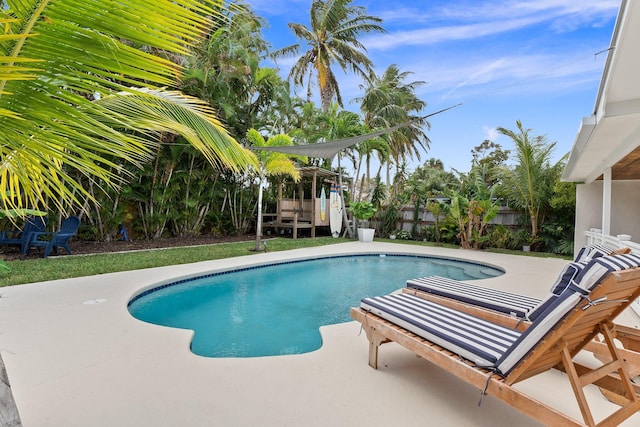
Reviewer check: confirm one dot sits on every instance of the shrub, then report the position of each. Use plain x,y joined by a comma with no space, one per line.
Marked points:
403,235
362,210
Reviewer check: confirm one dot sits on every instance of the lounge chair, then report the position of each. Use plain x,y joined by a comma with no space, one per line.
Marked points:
22,237
60,239
465,294
493,357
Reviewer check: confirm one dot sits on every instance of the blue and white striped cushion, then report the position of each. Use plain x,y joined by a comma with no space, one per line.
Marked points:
487,344
474,339
504,302
587,253
554,312
567,274
489,298
590,276
597,268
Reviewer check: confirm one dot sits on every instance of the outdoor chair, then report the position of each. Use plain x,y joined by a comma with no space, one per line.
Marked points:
22,237
493,357
469,296
60,239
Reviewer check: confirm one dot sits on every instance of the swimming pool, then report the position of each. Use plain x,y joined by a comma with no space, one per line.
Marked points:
278,309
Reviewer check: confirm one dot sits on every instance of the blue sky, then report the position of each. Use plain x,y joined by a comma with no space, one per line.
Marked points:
533,60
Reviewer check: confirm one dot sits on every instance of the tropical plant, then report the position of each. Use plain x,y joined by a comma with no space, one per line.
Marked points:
529,183
79,98
404,235
439,211
472,217
390,100
336,124
362,211
172,194
502,238
271,163
388,216
426,182
332,38
224,69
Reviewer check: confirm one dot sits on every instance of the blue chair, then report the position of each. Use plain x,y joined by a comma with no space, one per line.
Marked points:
59,239
22,238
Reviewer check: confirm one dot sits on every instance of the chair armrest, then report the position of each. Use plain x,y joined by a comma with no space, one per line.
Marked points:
64,235
10,234
36,234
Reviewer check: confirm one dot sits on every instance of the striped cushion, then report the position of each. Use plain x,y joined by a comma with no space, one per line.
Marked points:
487,344
587,253
474,339
492,299
597,268
590,276
568,273
560,305
566,277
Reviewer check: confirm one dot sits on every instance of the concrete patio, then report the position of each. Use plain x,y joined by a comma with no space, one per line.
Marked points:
76,357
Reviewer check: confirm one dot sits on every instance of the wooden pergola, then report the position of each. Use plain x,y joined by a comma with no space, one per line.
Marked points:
299,212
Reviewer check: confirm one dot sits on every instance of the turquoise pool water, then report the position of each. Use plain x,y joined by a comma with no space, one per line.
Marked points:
277,309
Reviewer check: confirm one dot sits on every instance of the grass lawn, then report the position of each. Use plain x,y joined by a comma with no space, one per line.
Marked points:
66,267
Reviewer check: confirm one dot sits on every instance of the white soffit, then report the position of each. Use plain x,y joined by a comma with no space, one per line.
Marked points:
613,131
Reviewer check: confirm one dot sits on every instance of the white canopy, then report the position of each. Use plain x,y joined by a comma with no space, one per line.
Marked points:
326,150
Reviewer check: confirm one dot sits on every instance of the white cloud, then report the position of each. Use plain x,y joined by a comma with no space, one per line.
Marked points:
436,35
461,76
491,133
470,20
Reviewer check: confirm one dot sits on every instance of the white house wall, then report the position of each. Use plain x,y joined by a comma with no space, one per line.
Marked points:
625,205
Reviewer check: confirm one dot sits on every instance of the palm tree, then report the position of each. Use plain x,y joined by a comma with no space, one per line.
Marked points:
332,38
224,70
390,100
338,124
365,150
271,163
78,98
529,184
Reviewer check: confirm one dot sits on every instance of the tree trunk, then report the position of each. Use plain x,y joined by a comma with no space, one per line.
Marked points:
259,223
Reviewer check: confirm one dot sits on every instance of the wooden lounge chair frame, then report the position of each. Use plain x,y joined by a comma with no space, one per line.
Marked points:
557,349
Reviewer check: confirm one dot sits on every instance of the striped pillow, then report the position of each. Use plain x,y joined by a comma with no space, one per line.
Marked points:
596,269
565,278
587,253
568,273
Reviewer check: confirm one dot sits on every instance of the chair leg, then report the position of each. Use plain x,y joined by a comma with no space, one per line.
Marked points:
375,340
616,363
574,379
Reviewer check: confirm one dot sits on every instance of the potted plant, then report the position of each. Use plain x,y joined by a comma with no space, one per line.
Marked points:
363,211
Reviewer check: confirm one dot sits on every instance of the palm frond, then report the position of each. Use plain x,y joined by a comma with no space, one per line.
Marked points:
56,58
155,111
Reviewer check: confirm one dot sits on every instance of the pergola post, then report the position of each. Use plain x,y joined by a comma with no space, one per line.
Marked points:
313,203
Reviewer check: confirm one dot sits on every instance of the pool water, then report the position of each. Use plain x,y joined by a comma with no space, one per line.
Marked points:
278,309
